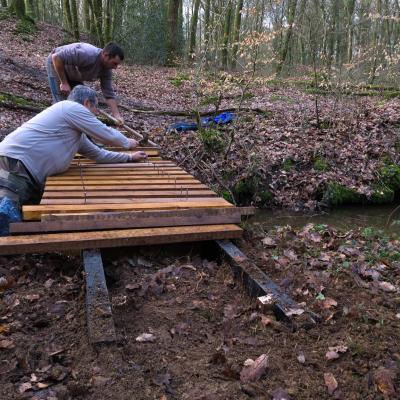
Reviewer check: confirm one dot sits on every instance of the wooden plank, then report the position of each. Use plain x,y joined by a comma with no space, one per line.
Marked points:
116,238
92,162
133,219
99,317
160,180
148,151
31,213
93,187
125,200
117,171
94,167
120,175
87,193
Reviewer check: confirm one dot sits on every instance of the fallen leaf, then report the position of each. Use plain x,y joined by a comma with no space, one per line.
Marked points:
162,379
384,378
339,349
301,358
7,344
43,385
24,387
328,303
280,394
146,337
253,372
32,297
387,287
267,320
268,242
331,355
4,328
49,283
330,382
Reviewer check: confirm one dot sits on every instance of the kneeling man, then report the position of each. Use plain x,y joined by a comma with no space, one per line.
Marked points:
46,145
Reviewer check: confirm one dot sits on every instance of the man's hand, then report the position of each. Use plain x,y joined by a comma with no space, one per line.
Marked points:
118,119
138,156
133,143
65,88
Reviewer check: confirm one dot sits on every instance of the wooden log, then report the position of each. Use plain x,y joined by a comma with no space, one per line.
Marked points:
115,238
99,317
132,219
31,213
258,284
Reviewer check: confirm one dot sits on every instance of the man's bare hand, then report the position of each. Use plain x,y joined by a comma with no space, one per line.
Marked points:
65,88
133,143
118,119
138,156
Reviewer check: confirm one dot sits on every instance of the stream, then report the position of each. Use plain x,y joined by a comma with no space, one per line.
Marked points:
344,218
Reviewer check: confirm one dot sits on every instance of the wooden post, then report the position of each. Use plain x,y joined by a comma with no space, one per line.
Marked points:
98,308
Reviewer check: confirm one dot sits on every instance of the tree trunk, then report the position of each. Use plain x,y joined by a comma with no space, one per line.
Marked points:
207,30
119,6
107,21
4,3
18,7
193,30
75,21
291,16
226,35
30,8
67,15
97,14
86,14
172,37
236,33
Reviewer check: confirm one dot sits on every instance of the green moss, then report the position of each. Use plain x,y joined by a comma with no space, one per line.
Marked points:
287,165
7,98
389,175
244,191
382,194
227,196
336,195
390,94
266,197
320,164
178,79
4,14
25,28
212,140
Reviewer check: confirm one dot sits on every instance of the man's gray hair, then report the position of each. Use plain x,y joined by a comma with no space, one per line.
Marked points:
81,93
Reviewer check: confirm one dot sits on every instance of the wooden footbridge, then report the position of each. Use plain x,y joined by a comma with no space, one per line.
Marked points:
107,205
93,206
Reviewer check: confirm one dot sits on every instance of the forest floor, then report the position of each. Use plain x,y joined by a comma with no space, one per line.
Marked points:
203,328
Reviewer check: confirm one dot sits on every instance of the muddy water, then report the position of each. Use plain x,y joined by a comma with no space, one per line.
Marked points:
344,218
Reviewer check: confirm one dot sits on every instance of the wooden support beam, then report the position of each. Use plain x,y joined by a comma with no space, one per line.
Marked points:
132,219
38,243
258,284
31,213
100,321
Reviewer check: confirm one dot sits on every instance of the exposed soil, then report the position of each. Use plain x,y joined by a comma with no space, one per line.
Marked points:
201,326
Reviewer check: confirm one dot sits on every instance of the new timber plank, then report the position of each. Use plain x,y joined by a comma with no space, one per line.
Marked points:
132,219
31,213
99,317
139,187
115,238
117,175
128,193
159,180
125,200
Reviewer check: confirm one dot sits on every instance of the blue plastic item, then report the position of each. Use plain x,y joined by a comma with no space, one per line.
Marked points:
220,119
9,212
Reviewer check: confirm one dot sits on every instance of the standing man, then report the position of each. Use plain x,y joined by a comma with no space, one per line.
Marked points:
46,145
72,64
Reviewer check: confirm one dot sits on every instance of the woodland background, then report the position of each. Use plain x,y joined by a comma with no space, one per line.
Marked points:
344,40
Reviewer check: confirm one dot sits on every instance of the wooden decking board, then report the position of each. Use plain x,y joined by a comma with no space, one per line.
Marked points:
93,187
139,181
128,193
127,200
120,171
121,175
126,237
32,213
132,219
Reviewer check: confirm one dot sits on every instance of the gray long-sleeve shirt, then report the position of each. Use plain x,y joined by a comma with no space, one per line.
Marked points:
48,142
82,62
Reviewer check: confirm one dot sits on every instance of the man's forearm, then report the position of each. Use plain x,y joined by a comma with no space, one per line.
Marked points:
59,67
112,103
